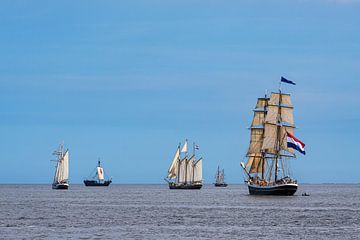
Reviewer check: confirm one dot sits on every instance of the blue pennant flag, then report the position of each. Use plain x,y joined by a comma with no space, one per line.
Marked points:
287,81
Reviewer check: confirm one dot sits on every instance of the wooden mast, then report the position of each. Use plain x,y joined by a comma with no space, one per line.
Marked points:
278,135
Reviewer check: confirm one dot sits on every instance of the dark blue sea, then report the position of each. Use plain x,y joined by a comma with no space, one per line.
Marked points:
154,212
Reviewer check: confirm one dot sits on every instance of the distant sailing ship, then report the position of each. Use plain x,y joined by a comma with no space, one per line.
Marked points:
220,178
61,177
98,179
185,173
271,146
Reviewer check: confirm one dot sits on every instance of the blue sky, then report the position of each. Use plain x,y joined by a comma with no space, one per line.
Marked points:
127,80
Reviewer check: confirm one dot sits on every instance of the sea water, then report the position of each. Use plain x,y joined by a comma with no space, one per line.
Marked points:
155,212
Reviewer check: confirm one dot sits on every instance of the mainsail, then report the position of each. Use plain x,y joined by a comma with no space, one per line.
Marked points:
198,171
100,173
62,168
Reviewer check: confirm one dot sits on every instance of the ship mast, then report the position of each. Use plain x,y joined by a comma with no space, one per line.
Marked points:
178,166
277,149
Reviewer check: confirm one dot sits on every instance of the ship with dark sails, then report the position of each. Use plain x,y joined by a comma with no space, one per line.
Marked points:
272,145
220,178
97,178
61,177
185,172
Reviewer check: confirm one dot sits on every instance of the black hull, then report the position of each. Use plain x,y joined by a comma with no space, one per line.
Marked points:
93,183
280,190
220,184
185,186
60,186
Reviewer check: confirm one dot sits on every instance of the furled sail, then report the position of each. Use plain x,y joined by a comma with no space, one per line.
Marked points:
172,172
198,171
100,173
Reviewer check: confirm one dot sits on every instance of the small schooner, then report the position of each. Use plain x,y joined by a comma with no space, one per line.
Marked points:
220,178
272,146
185,172
61,177
98,179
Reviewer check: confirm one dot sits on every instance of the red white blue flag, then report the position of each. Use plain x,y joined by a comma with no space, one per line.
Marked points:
293,142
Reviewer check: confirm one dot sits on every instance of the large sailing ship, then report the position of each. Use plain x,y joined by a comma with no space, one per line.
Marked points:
220,178
98,179
185,172
267,169
61,177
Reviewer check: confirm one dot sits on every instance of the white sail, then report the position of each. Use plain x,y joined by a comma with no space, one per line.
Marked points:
190,170
182,171
62,171
185,147
173,169
100,173
198,171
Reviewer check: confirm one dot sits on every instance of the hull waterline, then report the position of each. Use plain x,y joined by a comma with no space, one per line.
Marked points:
60,186
93,183
221,184
185,186
280,190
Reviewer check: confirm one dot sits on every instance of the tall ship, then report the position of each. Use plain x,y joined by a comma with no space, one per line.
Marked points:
97,178
61,177
220,178
272,145
185,172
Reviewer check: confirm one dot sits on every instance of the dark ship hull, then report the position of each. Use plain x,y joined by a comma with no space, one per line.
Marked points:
185,186
93,183
61,186
287,189
220,184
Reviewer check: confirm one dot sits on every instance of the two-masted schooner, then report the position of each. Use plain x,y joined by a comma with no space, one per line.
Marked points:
271,146
98,179
185,172
61,177
220,178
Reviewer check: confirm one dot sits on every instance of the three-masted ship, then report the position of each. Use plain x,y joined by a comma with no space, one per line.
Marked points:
61,177
269,152
98,179
220,178
185,172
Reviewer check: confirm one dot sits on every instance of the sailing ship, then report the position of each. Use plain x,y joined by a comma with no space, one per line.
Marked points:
220,178
98,179
267,169
185,172
61,177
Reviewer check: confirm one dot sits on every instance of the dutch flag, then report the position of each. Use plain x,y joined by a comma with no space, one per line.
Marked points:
293,142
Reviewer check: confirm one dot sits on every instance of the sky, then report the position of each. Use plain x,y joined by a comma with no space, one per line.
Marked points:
126,81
